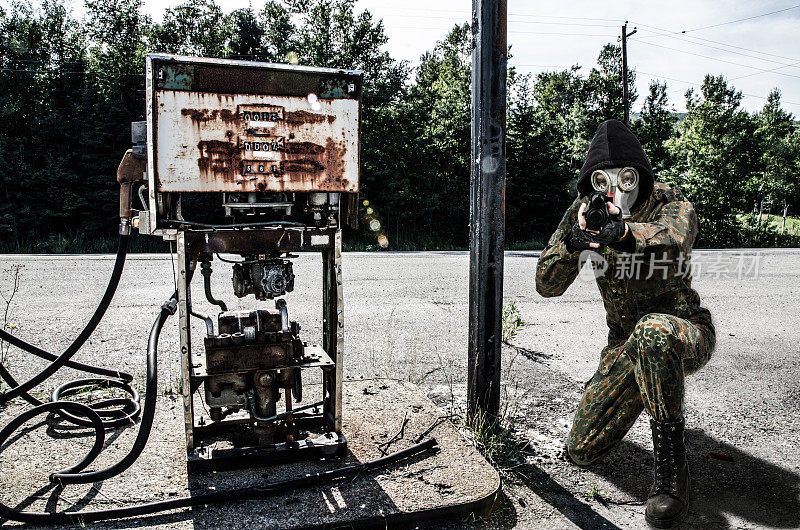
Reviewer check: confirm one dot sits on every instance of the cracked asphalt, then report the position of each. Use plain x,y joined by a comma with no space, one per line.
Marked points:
406,318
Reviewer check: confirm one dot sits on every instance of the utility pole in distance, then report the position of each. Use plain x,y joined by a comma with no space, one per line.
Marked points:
625,101
487,206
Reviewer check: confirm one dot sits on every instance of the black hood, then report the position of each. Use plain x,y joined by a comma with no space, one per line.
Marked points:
614,145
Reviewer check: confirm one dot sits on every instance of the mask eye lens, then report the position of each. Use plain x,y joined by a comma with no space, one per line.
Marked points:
628,179
599,181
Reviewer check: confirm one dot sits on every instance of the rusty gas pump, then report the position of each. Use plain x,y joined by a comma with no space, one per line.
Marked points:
273,150
278,145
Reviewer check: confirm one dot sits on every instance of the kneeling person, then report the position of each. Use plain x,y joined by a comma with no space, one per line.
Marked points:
658,332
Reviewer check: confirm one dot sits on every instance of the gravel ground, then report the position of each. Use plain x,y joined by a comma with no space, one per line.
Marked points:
405,317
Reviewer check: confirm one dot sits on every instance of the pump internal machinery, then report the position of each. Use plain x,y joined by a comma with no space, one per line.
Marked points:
252,163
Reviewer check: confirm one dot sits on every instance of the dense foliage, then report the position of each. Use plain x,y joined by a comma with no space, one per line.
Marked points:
69,88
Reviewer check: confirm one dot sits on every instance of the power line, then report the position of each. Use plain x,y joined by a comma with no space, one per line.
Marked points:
666,32
716,59
542,66
670,33
713,48
658,76
772,70
677,34
461,21
562,23
692,84
567,18
742,19
606,35
468,14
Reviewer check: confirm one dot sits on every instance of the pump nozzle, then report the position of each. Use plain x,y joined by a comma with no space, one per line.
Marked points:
131,169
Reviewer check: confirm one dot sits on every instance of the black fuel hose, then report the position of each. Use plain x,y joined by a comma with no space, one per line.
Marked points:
238,494
205,270
120,411
88,368
72,475
148,413
18,390
124,411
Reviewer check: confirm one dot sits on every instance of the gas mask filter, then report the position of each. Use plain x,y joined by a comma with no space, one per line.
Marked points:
620,184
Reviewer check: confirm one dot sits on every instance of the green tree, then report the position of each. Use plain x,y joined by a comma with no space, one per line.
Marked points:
439,102
715,154
196,27
545,145
279,32
330,34
561,102
43,79
604,87
247,36
114,97
68,92
777,133
656,125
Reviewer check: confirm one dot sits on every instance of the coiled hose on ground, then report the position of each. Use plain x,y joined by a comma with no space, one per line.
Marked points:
125,411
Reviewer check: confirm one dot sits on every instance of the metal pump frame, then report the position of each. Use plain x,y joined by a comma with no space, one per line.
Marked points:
192,245
203,134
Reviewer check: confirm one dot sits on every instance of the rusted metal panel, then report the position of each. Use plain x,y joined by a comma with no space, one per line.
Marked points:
223,76
213,142
231,126
273,350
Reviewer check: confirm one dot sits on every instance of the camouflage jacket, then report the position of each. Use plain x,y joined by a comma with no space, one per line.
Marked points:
654,278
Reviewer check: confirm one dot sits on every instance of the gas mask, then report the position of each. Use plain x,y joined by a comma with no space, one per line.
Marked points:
621,184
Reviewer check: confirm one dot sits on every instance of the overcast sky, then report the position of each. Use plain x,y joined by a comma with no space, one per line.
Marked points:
756,54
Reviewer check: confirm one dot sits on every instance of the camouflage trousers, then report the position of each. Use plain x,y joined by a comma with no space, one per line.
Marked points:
646,372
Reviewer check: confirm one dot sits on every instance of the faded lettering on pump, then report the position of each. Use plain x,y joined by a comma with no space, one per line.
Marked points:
244,143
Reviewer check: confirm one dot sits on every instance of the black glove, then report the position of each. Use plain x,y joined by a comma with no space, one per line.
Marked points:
577,239
611,232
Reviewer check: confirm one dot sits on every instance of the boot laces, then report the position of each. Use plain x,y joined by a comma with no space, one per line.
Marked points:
666,466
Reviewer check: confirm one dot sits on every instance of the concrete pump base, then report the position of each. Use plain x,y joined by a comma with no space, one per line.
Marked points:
453,482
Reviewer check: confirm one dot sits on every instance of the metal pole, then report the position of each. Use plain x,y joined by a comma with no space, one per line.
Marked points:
487,206
625,71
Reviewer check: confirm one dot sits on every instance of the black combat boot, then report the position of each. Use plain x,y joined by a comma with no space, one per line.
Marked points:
669,497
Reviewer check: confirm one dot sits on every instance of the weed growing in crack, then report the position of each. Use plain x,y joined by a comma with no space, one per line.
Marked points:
175,387
495,438
14,272
407,361
512,321
595,493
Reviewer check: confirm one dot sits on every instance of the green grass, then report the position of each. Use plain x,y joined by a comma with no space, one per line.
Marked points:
361,244
596,493
530,244
792,223
767,234
512,322
175,387
13,274
82,244
495,439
